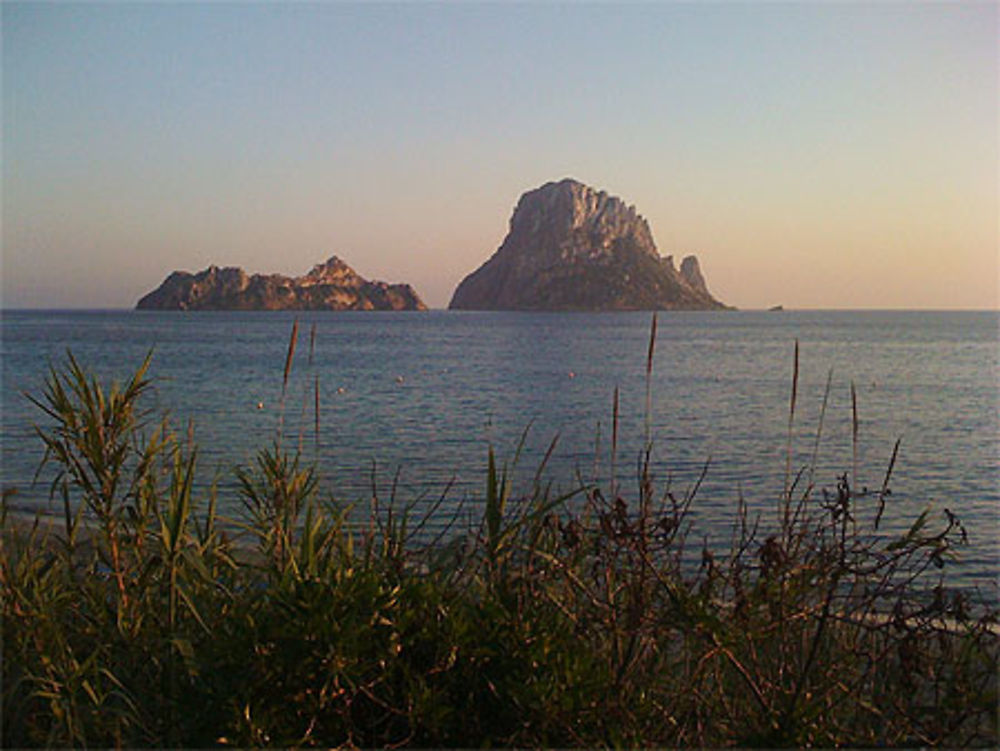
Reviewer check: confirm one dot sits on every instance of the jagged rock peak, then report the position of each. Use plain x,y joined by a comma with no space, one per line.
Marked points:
332,285
332,271
691,273
575,211
571,247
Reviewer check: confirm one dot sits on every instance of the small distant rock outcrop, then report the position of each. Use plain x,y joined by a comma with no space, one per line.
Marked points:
329,286
571,247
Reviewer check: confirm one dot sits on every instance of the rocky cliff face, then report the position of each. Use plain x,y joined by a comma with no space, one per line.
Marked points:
571,247
329,286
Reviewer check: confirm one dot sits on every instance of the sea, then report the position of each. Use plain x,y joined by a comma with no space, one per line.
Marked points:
406,407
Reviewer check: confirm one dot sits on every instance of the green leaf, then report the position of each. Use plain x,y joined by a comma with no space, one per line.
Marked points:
186,651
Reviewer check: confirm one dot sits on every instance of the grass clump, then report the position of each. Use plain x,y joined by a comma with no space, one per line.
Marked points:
587,619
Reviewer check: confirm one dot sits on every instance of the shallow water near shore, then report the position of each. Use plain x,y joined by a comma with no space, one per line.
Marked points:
425,394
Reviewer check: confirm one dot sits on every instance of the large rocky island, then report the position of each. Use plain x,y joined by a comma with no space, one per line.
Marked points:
329,286
571,247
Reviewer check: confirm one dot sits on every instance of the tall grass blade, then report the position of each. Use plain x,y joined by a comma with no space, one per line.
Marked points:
316,410
854,434
885,483
649,379
786,501
291,354
536,483
819,428
284,380
495,500
614,445
305,397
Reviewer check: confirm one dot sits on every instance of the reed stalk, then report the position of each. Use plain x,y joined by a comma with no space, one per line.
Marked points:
649,381
284,380
614,446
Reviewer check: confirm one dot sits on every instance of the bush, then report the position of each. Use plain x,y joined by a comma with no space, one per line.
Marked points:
582,620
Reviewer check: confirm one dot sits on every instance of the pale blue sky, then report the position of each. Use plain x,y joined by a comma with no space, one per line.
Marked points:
815,155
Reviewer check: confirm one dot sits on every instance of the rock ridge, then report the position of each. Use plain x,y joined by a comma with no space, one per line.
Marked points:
332,285
571,247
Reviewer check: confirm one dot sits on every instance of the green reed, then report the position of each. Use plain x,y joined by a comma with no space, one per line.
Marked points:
589,618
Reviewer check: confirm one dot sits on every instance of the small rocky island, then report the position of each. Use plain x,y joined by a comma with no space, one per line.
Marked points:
329,286
571,247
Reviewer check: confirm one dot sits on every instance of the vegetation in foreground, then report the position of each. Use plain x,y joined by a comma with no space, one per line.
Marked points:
583,620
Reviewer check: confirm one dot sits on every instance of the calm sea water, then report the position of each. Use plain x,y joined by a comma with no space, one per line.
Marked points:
424,395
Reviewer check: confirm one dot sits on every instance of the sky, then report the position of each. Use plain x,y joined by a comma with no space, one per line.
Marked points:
814,155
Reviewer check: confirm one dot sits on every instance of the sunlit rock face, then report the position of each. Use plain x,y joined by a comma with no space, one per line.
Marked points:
328,286
571,247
